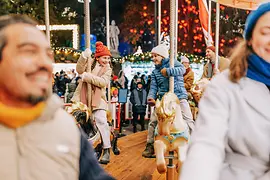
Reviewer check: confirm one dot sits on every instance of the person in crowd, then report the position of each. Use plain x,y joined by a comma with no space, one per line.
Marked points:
115,95
160,85
148,84
71,87
143,80
96,75
133,83
122,79
189,74
115,83
231,138
39,140
62,83
209,68
138,98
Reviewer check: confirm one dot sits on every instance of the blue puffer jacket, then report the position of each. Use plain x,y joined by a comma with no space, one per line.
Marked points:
160,84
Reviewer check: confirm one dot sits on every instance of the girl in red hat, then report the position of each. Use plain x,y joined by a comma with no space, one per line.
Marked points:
96,74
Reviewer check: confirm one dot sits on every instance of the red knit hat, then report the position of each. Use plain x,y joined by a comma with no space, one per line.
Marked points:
212,48
101,50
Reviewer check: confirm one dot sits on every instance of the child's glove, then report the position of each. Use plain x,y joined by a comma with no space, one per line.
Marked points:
86,53
151,102
164,72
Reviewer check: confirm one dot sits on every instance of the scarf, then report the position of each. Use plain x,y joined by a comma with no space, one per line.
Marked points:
17,117
258,69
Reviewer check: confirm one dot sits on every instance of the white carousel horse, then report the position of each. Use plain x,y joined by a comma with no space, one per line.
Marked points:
172,133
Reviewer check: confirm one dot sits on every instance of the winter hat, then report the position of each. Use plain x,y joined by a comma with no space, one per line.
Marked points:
184,59
161,50
212,48
101,50
253,17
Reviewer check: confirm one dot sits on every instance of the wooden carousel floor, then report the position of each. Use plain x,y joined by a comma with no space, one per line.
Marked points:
130,165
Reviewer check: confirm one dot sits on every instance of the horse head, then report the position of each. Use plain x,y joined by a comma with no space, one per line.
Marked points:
166,110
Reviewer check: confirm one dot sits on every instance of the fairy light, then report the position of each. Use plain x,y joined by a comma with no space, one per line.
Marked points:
73,27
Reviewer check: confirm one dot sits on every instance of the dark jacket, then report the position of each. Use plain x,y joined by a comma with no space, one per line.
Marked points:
138,99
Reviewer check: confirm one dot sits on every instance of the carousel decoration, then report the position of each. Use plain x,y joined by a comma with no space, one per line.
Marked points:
172,133
146,57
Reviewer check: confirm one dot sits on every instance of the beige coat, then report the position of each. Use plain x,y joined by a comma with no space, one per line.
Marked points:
188,80
84,65
45,149
224,64
231,140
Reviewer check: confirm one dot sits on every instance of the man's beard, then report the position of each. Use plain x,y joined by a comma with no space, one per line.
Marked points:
34,99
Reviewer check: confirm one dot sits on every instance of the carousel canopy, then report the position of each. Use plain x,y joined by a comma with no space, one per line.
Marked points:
242,4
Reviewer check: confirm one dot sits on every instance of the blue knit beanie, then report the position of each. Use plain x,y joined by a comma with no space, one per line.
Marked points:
253,18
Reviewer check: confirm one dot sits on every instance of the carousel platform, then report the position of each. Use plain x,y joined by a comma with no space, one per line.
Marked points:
130,165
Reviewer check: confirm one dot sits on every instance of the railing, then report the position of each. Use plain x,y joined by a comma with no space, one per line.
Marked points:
115,109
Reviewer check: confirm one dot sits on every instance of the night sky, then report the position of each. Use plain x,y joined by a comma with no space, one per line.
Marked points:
116,8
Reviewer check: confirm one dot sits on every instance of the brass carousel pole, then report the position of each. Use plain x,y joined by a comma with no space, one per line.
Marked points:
47,20
87,23
108,42
217,34
173,21
159,21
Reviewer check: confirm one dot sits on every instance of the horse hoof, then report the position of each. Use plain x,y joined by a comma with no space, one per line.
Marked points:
161,168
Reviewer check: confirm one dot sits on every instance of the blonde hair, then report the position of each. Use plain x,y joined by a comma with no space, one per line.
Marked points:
239,61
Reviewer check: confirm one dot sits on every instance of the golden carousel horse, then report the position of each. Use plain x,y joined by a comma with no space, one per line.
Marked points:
172,133
81,113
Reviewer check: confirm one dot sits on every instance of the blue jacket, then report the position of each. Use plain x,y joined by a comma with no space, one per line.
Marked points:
160,84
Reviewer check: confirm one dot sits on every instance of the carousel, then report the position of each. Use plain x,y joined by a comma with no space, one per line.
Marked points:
172,137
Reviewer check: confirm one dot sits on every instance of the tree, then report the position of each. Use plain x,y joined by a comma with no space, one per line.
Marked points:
61,12
190,35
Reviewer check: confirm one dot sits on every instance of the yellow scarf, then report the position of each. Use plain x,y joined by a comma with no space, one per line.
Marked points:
17,117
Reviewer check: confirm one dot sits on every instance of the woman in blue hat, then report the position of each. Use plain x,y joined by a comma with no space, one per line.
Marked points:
231,140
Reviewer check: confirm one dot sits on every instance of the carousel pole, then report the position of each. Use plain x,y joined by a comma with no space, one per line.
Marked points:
108,42
47,20
217,34
159,21
87,23
47,26
176,28
108,23
172,40
173,22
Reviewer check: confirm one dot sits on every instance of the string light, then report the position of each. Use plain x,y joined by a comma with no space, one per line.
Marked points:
66,55
73,27
146,57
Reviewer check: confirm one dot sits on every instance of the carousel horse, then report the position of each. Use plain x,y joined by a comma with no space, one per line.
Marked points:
84,121
172,132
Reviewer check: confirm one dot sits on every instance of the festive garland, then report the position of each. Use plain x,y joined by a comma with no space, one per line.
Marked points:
146,57
71,55
66,55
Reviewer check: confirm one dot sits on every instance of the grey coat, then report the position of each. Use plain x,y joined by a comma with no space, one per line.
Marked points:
231,140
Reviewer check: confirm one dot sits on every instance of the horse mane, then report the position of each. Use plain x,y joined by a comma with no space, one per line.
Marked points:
165,111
